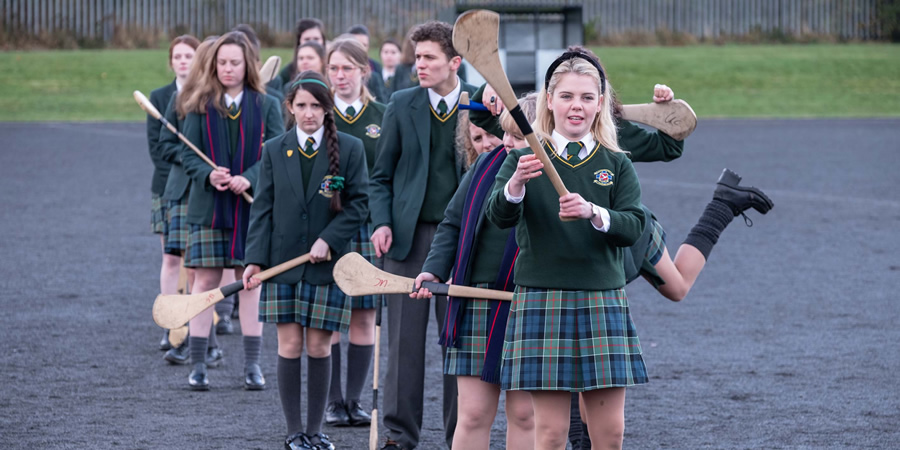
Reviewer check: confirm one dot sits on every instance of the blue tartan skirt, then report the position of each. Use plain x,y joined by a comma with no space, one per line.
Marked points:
323,307
656,246
157,214
209,248
177,229
362,244
468,358
570,341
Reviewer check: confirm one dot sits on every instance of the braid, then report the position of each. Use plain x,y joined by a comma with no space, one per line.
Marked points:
334,157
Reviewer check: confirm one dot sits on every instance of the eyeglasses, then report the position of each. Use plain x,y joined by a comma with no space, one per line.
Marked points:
345,69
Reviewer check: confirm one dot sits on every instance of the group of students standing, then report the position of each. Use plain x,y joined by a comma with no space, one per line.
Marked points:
389,182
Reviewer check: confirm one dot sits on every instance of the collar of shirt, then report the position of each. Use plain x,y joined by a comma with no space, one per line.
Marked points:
229,100
450,98
178,85
560,142
317,135
342,105
387,73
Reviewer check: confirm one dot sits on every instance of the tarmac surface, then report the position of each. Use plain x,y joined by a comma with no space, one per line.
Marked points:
789,339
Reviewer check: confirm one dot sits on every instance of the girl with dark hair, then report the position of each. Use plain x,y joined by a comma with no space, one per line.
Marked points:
308,29
307,201
181,54
390,59
357,114
228,116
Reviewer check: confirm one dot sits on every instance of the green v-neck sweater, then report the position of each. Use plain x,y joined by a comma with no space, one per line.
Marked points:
571,255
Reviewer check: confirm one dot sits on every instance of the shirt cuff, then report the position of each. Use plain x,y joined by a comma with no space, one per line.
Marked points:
604,215
515,200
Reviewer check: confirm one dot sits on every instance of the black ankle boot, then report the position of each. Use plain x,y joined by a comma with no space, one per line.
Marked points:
740,198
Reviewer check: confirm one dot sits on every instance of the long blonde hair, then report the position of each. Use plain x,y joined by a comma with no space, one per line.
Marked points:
356,53
205,88
603,127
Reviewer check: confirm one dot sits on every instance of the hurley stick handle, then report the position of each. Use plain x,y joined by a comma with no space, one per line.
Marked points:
145,104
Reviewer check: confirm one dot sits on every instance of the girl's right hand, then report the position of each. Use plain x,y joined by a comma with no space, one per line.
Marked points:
423,293
249,281
219,178
529,167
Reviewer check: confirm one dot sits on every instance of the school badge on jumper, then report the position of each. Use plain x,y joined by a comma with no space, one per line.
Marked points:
373,131
603,177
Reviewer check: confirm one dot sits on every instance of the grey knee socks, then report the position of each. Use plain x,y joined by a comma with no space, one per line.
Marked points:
359,359
290,391
317,392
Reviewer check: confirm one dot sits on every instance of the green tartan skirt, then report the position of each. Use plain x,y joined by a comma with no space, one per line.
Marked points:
323,307
468,358
570,341
157,214
362,244
209,248
177,229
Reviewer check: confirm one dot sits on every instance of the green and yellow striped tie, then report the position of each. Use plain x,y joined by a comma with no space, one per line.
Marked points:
572,150
308,150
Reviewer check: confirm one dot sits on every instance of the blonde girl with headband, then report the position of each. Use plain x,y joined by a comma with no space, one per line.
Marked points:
228,116
358,114
311,198
569,328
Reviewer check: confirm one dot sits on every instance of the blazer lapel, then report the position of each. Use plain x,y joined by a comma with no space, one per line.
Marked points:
320,166
420,110
290,154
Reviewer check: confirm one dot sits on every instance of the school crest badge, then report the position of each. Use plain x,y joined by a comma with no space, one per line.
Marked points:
290,153
603,177
373,131
325,189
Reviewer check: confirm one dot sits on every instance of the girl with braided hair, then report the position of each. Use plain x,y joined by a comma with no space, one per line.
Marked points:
311,198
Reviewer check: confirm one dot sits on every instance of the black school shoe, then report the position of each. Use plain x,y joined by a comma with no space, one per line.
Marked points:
214,357
225,326
390,444
298,441
253,378
164,343
197,380
358,416
321,441
178,355
336,414
740,198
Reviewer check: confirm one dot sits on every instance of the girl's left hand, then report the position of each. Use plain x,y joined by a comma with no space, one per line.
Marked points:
573,206
238,184
319,251
662,93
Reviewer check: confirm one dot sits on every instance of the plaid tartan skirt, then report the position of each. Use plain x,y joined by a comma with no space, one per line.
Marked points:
362,244
468,358
324,307
177,229
208,247
157,214
657,242
570,341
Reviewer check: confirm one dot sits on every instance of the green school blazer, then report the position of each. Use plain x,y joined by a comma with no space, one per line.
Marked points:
289,213
171,148
159,98
401,166
201,202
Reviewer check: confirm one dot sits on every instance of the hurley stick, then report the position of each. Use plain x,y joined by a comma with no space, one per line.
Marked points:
373,427
150,109
173,311
270,69
675,118
358,277
475,37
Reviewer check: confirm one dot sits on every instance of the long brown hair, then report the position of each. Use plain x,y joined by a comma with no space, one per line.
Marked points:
198,71
206,87
308,81
356,53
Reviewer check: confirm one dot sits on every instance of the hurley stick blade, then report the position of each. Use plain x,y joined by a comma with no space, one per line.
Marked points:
173,311
270,69
675,118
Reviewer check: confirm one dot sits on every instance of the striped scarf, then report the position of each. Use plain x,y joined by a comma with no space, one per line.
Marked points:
231,212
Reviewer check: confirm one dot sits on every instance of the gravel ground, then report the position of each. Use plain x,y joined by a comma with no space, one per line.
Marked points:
789,339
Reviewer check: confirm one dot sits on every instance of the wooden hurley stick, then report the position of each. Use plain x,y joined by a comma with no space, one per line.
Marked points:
270,69
358,277
173,311
150,109
373,427
675,118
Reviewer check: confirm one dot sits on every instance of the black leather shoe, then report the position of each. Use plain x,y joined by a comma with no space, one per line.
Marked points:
178,355
225,325
358,416
321,441
297,441
253,378
740,198
164,343
390,444
214,357
197,380
336,414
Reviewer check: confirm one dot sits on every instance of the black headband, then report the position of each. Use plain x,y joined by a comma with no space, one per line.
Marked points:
572,55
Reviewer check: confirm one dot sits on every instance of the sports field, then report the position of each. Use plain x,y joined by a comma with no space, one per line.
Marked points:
734,81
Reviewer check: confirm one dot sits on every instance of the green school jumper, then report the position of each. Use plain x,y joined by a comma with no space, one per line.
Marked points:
366,126
442,180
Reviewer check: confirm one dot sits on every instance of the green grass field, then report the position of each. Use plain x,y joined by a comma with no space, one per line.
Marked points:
854,80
